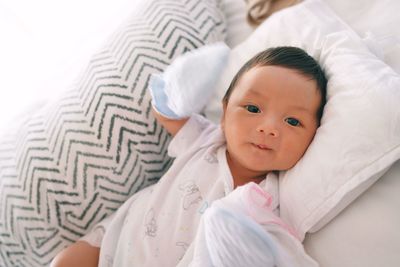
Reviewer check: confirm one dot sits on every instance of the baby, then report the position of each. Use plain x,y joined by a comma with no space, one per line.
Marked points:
271,112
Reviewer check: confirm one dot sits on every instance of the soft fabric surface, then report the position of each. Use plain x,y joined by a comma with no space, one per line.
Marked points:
75,161
358,138
376,20
369,227
242,229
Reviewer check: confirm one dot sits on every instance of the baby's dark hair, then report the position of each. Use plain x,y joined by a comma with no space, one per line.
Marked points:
288,57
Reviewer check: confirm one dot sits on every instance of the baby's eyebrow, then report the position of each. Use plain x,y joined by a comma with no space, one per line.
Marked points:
253,92
301,108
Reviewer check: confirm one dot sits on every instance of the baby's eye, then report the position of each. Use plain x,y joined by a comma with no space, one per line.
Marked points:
252,109
292,121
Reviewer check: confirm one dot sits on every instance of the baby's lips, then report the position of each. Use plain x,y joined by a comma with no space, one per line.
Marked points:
264,147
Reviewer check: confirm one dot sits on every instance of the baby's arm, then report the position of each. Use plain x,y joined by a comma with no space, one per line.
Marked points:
171,125
78,254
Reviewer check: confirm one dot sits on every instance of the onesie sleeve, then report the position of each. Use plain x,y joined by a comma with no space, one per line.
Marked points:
197,132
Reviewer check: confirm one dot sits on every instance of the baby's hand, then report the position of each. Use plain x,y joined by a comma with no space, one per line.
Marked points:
187,84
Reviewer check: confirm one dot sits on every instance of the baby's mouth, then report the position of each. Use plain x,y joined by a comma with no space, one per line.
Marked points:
262,146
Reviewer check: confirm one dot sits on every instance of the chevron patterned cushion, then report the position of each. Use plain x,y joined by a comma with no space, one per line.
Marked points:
77,160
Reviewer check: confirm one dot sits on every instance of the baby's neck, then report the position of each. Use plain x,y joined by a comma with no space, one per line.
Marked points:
238,181
242,175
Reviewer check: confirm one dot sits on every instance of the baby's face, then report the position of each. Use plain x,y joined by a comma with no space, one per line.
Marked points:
270,119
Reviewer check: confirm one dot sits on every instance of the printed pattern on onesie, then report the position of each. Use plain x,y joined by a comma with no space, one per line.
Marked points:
158,228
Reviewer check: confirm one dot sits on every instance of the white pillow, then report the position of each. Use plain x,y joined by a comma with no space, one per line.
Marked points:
366,232
376,21
359,137
379,17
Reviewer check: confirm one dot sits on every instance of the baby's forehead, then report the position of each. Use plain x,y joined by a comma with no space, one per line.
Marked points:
275,82
273,73
274,67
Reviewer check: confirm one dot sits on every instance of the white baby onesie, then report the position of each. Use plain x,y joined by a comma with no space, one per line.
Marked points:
241,229
156,226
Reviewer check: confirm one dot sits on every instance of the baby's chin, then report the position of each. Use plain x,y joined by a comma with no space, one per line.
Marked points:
271,168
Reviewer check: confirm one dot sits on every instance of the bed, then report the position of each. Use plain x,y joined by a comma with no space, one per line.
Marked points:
70,164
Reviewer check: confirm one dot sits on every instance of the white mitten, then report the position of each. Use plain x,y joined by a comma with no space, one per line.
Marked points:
188,83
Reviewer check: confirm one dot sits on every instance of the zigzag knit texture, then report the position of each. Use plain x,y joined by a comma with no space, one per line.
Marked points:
75,161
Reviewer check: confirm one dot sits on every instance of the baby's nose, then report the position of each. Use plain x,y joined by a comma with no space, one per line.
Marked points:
269,128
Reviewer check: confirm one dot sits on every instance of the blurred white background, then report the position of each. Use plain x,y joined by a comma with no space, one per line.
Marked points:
45,44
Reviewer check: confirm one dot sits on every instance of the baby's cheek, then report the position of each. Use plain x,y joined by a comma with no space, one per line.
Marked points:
301,150
294,152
